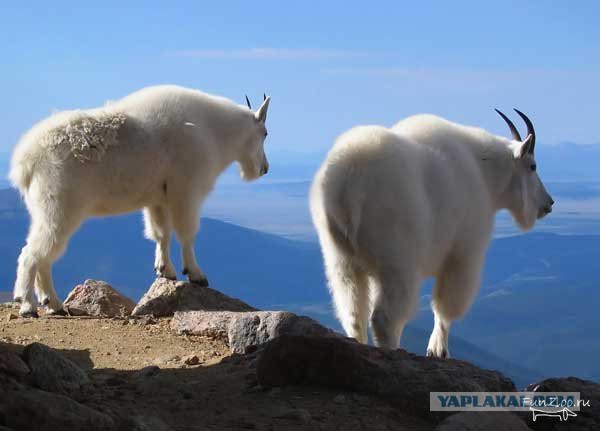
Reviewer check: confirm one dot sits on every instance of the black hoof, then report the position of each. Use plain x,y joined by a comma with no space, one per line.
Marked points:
45,301
30,315
443,356
18,299
185,271
202,283
61,312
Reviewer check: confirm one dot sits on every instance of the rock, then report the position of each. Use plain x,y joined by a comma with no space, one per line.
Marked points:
242,330
21,407
588,418
482,421
51,371
165,297
191,360
11,316
97,298
340,363
12,364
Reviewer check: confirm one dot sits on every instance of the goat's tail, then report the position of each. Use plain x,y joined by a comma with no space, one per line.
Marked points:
25,158
343,207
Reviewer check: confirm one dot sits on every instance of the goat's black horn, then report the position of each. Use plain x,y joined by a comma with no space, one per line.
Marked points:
513,130
530,129
248,102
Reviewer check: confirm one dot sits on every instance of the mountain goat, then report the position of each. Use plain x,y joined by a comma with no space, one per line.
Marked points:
395,206
160,149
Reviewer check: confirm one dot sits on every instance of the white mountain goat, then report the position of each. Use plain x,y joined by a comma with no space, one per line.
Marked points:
160,149
395,206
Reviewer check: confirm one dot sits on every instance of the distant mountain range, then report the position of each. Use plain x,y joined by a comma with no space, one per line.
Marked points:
537,309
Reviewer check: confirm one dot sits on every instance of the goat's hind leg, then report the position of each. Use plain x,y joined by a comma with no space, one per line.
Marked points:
350,291
453,293
395,301
159,228
186,221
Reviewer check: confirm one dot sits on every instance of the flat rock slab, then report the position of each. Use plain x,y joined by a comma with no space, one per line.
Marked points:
51,371
344,364
97,298
245,329
165,297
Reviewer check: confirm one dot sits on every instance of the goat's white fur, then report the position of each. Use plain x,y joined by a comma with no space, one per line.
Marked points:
395,206
160,148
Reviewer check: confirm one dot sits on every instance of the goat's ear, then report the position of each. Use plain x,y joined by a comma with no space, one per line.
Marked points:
261,113
526,146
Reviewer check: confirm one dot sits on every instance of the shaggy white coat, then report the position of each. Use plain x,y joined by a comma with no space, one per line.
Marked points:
395,206
160,148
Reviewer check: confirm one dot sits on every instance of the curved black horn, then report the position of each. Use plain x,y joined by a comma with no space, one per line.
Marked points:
530,129
248,102
513,130
264,97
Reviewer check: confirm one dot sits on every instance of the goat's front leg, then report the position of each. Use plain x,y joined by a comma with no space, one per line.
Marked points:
186,221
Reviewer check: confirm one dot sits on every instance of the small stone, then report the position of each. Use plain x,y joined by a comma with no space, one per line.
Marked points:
339,399
148,371
192,360
97,298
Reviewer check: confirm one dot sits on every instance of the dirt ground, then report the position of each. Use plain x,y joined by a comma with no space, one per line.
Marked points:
197,386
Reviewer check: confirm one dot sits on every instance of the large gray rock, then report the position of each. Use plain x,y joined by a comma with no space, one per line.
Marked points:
165,297
97,298
245,329
24,408
588,418
344,364
483,421
51,371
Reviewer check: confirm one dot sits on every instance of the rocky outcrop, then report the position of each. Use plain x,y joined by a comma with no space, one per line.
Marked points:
97,298
245,329
588,418
341,363
165,297
51,371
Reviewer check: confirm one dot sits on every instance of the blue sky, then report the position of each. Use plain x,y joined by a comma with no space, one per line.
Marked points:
327,65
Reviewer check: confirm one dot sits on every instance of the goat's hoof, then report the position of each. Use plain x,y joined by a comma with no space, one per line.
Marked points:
59,312
203,282
29,315
443,355
185,271
18,299
45,301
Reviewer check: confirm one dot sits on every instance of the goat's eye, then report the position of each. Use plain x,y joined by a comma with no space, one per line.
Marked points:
533,167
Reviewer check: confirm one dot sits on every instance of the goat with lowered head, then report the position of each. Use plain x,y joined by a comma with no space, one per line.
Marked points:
160,149
395,206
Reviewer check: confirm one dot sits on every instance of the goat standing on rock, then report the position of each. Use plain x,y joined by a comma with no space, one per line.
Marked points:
160,148
395,206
